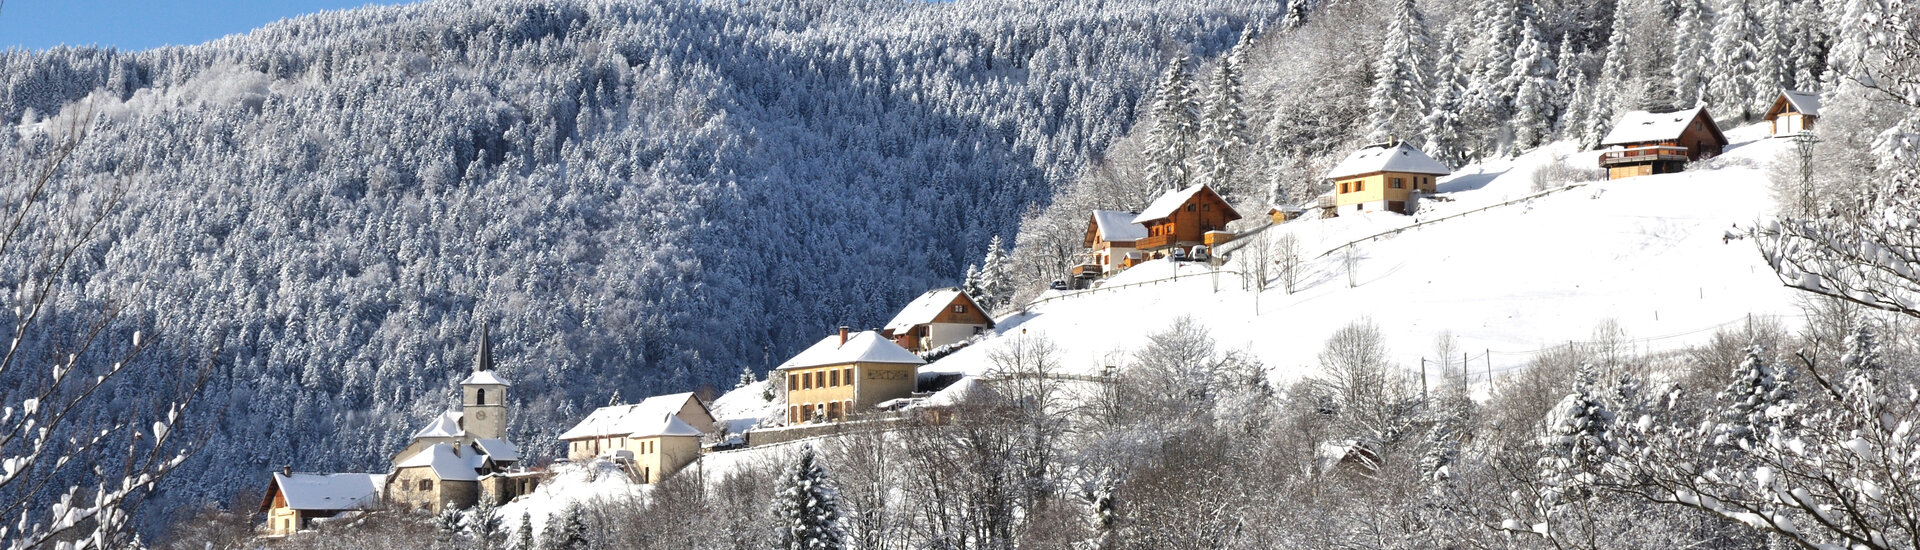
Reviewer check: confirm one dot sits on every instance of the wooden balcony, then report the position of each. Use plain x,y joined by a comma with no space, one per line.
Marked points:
1088,271
1153,242
1324,201
1643,155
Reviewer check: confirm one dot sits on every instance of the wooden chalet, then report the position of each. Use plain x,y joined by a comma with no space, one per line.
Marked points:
1644,143
1793,112
1195,216
940,317
1110,242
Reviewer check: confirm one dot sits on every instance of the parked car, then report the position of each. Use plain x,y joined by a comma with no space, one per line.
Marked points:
1059,285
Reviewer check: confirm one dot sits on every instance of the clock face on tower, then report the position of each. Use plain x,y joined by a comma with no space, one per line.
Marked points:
480,415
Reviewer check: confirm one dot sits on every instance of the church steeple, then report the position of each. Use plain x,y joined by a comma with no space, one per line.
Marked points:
483,361
485,394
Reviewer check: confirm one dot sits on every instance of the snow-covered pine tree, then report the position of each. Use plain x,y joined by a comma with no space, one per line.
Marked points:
1734,75
447,526
806,510
1533,101
1772,47
1809,46
1577,440
1398,100
1175,126
1297,13
993,283
1223,126
482,523
1496,31
747,378
1691,44
1441,125
523,536
566,529
1759,403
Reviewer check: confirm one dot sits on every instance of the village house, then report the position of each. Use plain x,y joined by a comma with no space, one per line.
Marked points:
294,500
1111,235
1388,177
940,317
847,373
1793,112
655,437
1644,143
458,457
1181,220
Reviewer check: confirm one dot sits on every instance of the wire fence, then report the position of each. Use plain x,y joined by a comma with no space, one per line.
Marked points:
1486,367
1424,223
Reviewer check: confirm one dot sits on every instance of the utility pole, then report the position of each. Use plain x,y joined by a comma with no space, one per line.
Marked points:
1804,143
1423,379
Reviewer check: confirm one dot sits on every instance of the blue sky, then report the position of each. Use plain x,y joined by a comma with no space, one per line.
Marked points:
144,24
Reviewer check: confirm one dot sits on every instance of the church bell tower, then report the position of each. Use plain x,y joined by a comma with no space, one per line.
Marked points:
484,395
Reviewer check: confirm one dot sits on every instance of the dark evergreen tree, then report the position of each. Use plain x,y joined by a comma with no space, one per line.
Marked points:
806,510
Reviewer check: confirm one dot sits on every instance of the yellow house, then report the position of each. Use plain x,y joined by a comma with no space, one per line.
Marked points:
1793,112
847,373
1109,240
609,431
663,448
294,500
1383,177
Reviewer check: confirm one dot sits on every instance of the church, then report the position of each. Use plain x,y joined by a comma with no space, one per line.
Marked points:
459,457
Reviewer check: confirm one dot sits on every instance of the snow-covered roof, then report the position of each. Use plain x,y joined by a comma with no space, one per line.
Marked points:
484,377
1399,157
860,347
445,425
1642,126
924,309
666,427
954,394
330,491
1167,204
1115,225
623,420
500,450
1807,103
447,463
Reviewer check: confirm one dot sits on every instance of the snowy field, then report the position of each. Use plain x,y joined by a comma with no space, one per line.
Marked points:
1649,253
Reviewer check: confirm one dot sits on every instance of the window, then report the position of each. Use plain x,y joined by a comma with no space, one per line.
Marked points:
806,381
1206,207
1343,187
1399,183
833,379
793,383
1189,208
957,308
480,396
426,485
847,374
1359,186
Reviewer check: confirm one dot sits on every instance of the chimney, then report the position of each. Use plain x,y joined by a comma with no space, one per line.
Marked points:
843,334
286,471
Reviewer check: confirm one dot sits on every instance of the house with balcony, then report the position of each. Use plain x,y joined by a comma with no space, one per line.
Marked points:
1389,177
1793,113
1110,241
1645,143
1180,220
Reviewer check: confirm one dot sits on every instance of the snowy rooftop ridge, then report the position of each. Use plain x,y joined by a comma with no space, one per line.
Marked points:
330,491
924,309
445,425
670,426
1115,225
623,420
1804,102
1399,157
447,463
1164,207
484,377
1642,126
860,347
500,450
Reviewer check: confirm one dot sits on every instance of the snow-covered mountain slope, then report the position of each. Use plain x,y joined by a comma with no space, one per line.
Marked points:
1650,253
